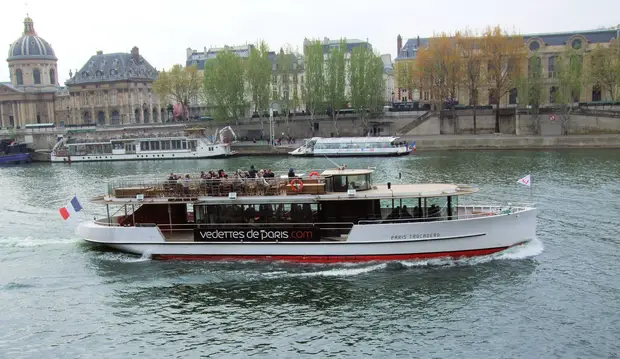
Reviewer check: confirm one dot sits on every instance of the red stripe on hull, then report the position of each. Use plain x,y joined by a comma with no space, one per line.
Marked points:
331,259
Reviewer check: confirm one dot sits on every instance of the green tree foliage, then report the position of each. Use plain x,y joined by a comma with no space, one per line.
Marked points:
313,88
286,83
335,81
259,75
367,84
224,85
605,69
181,84
571,80
530,90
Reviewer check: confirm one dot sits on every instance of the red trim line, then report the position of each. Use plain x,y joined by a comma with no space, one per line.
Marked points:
331,259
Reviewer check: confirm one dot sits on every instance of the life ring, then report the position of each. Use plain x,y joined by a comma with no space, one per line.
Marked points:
297,185
315,173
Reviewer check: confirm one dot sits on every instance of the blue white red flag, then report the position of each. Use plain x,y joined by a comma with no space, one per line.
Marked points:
527,180
413,146
71,208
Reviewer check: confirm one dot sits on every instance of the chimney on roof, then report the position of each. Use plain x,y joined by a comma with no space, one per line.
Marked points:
99,52
135,53
399,45
418,41
205,50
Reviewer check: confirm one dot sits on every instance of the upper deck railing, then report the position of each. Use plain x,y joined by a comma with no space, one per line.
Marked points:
199,187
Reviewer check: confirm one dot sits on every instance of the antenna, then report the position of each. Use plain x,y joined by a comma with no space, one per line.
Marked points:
330,160
26,8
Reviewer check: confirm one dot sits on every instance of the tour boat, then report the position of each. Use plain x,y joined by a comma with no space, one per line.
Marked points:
193,145
337,215
353,146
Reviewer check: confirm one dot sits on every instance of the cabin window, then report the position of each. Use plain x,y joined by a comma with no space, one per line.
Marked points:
154,145
144,145
165,145
256,213
184,145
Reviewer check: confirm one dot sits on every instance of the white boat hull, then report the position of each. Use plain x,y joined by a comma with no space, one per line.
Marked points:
218,150
362,152
366,242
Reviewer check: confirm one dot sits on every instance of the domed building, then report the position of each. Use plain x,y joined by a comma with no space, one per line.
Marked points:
29,96
110,89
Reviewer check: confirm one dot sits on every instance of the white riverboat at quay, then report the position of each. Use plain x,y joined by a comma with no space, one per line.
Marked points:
193,145
338,215
353,147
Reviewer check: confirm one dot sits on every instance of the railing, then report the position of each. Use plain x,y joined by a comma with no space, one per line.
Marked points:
198,187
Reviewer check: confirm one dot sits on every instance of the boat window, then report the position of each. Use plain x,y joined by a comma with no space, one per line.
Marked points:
184,144
144,145
359,182
154,145
256,213
192,145
165,145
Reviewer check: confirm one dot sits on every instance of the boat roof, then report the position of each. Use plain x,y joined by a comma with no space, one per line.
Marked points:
346,172
378,192
129,140
386,139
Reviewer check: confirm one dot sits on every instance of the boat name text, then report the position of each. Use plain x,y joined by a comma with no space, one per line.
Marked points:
255,235
416,236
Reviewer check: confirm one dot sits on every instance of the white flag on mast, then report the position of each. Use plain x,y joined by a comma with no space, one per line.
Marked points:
527,180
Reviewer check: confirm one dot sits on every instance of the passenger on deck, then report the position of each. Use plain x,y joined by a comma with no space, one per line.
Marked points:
404,213
252,172
291,173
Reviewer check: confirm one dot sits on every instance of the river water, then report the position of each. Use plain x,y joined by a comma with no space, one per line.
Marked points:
555,298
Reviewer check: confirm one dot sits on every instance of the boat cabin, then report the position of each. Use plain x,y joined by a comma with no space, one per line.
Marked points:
326,204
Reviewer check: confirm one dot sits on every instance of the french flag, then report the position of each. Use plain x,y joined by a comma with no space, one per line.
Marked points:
72,207
413,146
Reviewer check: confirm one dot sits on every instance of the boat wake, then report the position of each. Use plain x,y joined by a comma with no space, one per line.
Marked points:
528,250
29,241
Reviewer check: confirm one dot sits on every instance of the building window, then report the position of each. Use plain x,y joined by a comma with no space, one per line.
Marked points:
512,98
52,77
596,93
551,66
36,75
534,45
537,65
20,77
552,94
576,44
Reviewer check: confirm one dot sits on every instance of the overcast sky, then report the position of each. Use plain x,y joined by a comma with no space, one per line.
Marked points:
164,29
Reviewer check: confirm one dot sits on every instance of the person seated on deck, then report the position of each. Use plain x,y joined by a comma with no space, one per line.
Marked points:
395,213
404,213
252,172
269,173
291,173
186,184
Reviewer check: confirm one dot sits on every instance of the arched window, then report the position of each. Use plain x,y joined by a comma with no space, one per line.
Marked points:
20,77
36,75
52,77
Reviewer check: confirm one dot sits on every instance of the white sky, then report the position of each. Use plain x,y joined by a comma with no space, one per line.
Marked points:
164,29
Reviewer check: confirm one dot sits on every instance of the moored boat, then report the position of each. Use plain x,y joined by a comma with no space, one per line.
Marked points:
338,215
13,153
193,145
353,146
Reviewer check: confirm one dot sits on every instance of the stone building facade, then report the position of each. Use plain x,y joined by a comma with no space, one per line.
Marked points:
109,89
547,47
30,94
112,89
